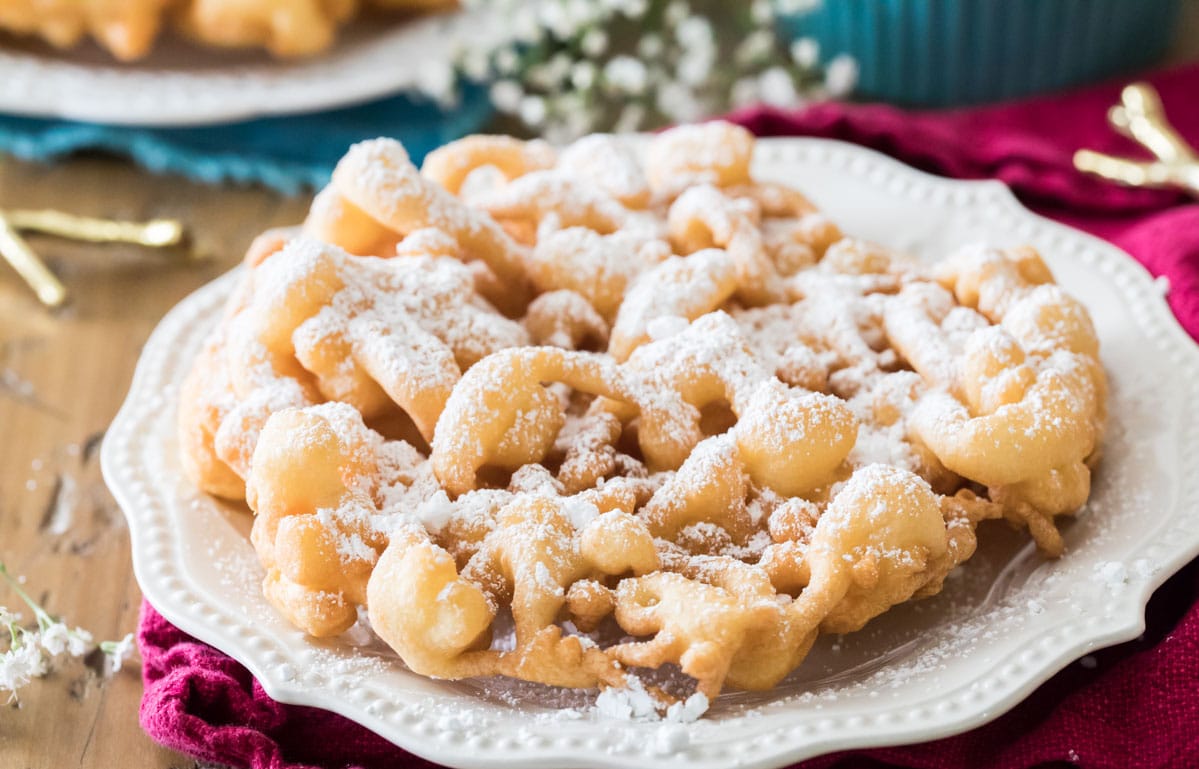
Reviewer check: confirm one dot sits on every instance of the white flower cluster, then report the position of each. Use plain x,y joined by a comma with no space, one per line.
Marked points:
32,652
565,68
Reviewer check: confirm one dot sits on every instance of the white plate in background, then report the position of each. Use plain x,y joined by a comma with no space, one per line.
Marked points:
181,83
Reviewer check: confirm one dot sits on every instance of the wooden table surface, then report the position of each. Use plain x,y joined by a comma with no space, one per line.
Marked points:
63,376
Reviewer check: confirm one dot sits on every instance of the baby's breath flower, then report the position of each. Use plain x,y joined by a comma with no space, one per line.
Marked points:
556,19
506,61
54,638
796,7
7,617
79,642
31,652
676,12
805,52
474,62
594,42
777,88
841,75
116,652
762,12
633,9
34,659
506,95
437,80
678,102
549,75
15,670
695,66
756,47
587,12
694,32
532,110
626,75
568,67
524,26
583,75
745,92
650,46
23,662
631,117
577,122
58,638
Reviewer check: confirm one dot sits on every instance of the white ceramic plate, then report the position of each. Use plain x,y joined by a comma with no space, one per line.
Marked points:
185,84
1005,623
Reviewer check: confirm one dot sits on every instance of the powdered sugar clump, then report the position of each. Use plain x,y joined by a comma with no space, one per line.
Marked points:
632,703
436,511
1113,574
688,710
635,703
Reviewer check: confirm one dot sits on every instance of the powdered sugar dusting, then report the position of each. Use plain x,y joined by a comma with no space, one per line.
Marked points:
836,342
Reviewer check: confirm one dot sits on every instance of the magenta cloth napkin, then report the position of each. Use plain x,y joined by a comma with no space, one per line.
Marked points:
1030,145
1133,705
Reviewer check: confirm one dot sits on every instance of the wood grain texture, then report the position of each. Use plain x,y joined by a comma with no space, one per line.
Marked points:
62,377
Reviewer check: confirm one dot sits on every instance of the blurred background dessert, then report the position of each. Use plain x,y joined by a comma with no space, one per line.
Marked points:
128,29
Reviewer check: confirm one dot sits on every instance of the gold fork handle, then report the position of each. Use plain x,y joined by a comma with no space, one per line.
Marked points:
1137,173
32,269
156,233
1142,117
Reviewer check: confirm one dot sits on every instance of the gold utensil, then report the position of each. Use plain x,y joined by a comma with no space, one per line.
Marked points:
156,233
1140,117
29,266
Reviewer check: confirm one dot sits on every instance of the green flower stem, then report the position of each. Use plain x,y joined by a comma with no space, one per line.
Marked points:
16,634
44,620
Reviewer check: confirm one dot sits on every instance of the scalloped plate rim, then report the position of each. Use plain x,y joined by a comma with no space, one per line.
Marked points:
1121,626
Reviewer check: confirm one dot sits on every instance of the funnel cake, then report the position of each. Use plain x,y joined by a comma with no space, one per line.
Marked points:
128,29
631,404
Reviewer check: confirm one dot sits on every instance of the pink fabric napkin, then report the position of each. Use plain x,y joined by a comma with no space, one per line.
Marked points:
1030,145
1133,705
